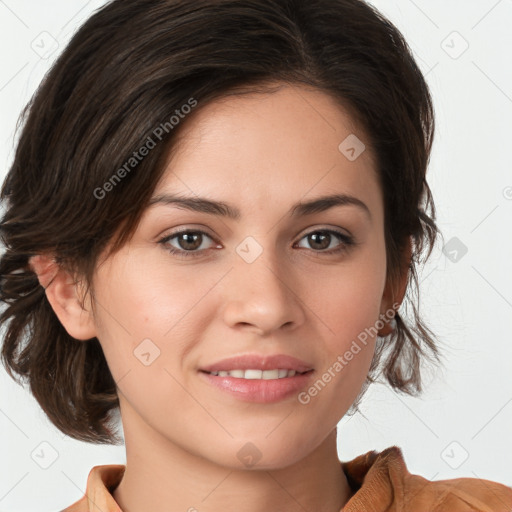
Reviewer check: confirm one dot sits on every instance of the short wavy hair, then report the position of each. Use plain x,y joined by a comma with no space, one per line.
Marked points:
129,67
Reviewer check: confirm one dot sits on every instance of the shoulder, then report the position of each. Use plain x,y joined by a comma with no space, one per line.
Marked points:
464,494
383,479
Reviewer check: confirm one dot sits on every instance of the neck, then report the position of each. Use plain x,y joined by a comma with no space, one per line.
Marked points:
161,476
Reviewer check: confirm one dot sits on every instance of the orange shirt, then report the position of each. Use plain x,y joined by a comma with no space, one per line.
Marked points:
380,483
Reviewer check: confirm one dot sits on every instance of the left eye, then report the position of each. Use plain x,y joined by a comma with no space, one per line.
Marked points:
322,236
190,242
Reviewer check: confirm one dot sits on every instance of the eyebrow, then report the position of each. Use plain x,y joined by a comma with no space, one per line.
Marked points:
200,204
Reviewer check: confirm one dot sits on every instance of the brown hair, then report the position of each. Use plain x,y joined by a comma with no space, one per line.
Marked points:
128,69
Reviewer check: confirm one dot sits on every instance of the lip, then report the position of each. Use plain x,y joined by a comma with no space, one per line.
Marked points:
259,362
259,390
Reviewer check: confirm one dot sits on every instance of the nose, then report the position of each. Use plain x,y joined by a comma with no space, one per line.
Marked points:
263,296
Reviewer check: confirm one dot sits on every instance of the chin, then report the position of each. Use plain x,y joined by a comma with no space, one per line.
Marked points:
259,453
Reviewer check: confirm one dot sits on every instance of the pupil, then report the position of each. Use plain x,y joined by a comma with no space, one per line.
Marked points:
187,237
325,238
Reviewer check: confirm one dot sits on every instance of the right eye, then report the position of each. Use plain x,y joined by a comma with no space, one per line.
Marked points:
189,241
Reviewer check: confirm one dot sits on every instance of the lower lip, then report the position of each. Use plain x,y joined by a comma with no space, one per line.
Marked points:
259,390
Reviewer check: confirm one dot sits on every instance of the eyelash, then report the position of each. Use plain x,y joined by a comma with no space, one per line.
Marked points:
346,240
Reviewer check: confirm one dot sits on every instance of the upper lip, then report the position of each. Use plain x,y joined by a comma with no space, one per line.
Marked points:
259,362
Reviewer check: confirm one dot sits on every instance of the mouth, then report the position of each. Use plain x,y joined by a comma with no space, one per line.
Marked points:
255,374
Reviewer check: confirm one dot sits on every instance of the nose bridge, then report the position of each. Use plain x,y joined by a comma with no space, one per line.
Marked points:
262,295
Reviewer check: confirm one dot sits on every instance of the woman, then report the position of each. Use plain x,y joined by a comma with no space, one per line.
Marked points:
214,213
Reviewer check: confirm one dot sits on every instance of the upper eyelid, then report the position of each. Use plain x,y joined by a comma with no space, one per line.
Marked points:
307,230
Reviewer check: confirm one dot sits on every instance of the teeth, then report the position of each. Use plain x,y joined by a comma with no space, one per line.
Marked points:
279,373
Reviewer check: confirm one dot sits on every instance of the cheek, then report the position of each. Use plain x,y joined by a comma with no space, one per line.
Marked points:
348,306
348,299
143,308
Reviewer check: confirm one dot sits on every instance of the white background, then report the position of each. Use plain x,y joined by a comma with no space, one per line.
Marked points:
467,408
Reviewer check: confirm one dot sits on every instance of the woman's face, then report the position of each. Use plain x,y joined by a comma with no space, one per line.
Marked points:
272,281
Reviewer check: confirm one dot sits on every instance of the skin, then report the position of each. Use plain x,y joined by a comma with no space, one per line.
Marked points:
261,153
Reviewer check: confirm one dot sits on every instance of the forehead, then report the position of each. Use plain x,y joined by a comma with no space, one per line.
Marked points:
267,147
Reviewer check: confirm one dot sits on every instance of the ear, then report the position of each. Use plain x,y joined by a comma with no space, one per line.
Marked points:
62,293
394,292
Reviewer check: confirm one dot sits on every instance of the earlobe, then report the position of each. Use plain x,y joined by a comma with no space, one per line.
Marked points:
61,292
390,298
